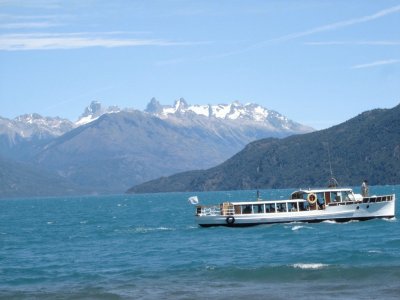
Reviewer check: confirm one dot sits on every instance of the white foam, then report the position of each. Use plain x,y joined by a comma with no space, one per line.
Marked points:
152,229
353,221
390,219
297,227
310,266
329,222
374,251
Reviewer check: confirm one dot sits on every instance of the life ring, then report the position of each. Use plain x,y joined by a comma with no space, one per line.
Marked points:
312,198
230,220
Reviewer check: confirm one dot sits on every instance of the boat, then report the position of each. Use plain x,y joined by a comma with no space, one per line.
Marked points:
310,205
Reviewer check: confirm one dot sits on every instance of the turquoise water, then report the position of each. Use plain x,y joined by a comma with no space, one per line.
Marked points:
149,247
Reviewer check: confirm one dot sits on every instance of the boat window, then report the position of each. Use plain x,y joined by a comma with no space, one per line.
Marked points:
258,208
303,205
294,206
346,196
335,196
270,207
320,197
281,207
246,209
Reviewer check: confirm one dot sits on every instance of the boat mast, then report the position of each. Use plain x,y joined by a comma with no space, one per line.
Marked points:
332,181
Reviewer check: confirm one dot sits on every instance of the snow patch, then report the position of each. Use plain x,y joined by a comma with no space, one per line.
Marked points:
202,110
86,120
221,111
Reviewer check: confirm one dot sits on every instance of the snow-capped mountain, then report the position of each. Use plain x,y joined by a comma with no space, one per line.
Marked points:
181,111
34,127
35,124
24,136
237,112
135,146
94,111
233,111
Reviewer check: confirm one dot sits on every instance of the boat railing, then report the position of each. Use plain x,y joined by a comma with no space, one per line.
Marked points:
211,210
224,209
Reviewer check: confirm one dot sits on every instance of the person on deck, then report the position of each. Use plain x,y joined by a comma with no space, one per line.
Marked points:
364,188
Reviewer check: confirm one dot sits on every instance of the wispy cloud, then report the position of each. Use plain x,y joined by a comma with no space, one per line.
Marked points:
312,31
28,25
47,41
354,43
9,21
337,25
47,4
377,63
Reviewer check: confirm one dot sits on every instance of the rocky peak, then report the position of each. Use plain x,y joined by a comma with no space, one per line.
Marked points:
154,106
180,105
94,111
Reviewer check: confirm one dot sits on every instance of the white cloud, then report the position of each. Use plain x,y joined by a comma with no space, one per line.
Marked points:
47,41
377,63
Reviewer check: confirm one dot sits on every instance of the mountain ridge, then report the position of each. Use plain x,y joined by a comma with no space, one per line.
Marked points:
366,146
108,148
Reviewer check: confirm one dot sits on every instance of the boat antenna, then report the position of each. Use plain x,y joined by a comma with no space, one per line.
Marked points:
330,164
332,181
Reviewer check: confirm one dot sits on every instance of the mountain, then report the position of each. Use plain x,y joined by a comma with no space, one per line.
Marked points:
23,137
19,179
108,149
131,146
367,146
248,113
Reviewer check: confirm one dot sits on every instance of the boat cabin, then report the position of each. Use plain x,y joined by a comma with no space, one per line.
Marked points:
327,196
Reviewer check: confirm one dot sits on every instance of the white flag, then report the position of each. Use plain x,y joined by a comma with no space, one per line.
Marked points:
193,200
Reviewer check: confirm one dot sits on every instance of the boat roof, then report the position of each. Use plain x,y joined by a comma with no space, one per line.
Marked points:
264,201
323,190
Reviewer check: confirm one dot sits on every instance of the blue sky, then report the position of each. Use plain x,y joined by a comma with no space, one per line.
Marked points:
317,62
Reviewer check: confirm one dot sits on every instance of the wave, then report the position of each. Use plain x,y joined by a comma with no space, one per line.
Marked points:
297,227
318,272
311,266
335,222
152,229
329,222
374,251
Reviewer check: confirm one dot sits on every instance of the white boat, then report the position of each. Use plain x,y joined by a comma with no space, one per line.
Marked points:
312,205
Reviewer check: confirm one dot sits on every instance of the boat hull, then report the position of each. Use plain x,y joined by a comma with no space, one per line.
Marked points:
342,213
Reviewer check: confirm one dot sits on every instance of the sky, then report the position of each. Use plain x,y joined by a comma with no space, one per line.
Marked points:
318,62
